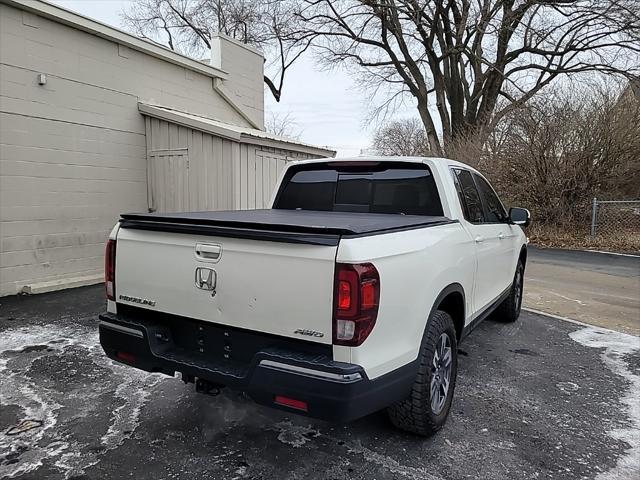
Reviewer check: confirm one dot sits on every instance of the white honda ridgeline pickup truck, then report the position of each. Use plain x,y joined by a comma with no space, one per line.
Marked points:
349,295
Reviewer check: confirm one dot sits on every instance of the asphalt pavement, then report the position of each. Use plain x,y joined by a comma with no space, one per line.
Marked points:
597,288
540,398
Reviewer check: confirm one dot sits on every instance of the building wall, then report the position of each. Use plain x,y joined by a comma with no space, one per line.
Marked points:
199,171
245,67
73,151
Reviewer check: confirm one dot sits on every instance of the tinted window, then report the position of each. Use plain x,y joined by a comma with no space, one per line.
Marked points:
353,190
469,197
494,211
309,190
406,190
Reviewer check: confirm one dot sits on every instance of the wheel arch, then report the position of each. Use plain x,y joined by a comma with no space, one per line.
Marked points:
523,255
452,300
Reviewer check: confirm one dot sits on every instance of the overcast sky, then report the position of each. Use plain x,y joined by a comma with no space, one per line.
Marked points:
327,107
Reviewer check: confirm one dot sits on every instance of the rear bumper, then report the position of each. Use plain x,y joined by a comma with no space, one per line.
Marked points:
333,391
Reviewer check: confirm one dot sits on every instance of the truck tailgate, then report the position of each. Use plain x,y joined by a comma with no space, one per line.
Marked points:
265,286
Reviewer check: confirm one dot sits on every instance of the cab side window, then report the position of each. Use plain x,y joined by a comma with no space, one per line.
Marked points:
469,196
494,211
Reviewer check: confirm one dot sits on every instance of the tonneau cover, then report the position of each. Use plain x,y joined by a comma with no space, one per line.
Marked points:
295,221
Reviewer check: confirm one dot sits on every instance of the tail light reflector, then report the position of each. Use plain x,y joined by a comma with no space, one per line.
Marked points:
126,357
357,295
291,403
110,269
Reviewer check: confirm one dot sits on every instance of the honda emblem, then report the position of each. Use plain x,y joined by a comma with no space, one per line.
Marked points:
206,279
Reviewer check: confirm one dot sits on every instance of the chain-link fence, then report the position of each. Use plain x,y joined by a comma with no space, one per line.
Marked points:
615,217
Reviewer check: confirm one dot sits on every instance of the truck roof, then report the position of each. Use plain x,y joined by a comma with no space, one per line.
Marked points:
395,158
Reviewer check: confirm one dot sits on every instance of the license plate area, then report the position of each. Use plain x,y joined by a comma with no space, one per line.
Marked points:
206,342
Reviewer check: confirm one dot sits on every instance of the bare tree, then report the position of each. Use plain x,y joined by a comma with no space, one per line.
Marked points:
402,137
282,125
187,26
568,147
468,63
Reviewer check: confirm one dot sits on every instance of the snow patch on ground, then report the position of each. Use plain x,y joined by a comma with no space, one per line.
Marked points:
298,435
19,349
616,346
568,387
391,464
295,435
134,392
17,390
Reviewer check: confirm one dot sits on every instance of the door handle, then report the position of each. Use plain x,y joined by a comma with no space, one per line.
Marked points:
210,252
479,239
501,236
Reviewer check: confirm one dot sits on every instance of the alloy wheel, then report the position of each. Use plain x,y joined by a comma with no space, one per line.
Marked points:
441,374
518,292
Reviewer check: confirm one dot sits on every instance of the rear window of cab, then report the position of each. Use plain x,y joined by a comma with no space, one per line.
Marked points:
366,187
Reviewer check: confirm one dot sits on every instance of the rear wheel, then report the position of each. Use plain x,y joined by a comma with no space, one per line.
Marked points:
426,408
509,310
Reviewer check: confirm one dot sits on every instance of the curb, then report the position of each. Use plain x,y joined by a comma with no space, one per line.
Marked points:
612,253
576,322
602,252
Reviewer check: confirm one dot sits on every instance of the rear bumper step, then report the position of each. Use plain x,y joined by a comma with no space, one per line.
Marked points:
309,372
331,390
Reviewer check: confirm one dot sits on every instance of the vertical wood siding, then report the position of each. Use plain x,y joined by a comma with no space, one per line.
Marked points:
219,174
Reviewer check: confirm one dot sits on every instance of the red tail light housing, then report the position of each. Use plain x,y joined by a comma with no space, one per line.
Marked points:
356,299
110,269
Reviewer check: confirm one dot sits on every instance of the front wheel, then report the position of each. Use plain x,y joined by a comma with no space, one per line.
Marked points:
509,310
426,408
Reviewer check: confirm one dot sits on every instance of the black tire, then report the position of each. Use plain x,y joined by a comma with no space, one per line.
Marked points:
509,310
415,413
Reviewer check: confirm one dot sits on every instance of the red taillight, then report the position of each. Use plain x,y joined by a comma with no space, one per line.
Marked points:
344,295
126,357
357,294
291,403
110,269
347,290
369,294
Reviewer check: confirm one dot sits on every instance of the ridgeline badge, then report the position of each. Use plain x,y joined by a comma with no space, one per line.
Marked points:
139,301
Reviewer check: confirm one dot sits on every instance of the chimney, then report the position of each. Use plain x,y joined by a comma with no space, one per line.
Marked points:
244,86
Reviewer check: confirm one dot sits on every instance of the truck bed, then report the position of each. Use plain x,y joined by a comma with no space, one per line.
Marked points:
292,226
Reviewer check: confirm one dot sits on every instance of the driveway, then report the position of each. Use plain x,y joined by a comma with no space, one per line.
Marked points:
596,288
540,398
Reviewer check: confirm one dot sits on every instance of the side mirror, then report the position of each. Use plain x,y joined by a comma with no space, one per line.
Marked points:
519,216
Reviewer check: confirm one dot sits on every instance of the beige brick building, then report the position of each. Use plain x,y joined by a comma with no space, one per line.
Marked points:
95,122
